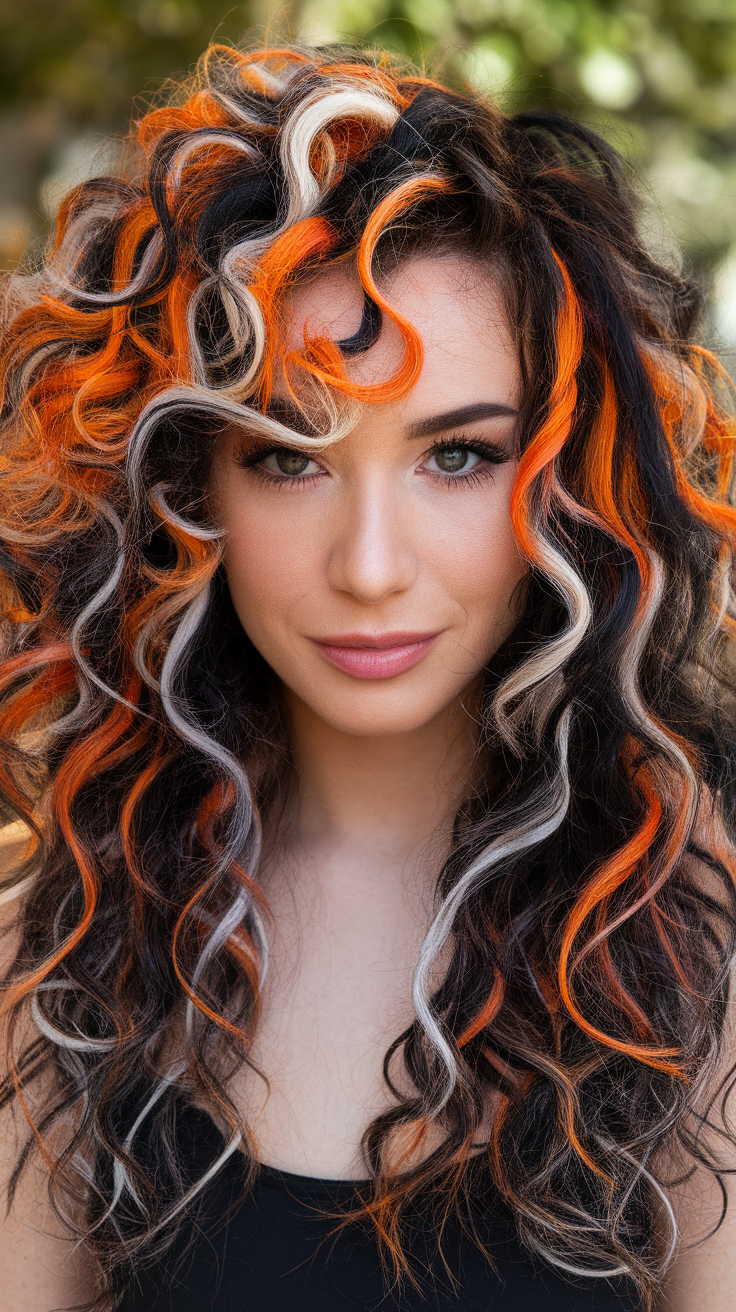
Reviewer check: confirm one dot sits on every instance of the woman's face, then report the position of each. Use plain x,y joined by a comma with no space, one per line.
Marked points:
376,577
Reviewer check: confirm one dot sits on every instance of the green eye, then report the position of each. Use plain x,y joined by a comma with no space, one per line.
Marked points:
452,460
291,462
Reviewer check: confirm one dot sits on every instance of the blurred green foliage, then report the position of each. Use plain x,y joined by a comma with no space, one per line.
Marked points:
657,77
92,57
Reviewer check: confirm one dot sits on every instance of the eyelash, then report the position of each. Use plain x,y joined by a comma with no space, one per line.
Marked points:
490,451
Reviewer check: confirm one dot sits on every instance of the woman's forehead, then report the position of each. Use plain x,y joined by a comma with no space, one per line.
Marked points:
458,308
331,302
333,298
455,302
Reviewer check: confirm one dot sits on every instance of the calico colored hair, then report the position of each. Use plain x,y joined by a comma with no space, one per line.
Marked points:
589,899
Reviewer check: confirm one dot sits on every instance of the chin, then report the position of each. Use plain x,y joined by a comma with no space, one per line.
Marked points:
374,717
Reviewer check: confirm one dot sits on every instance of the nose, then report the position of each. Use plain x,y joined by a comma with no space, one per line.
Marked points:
371,556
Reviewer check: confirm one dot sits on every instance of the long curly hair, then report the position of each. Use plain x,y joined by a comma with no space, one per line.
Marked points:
587,908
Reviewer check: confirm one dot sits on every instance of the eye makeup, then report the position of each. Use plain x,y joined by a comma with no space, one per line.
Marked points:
488,453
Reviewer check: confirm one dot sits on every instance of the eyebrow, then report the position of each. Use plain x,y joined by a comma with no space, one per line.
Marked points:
289,414
466,414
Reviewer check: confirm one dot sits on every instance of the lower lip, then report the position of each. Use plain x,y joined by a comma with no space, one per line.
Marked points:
377,662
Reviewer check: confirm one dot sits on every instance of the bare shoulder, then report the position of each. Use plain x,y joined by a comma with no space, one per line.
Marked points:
40,1272
703,1273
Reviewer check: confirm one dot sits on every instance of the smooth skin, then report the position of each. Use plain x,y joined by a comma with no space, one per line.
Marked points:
39,1268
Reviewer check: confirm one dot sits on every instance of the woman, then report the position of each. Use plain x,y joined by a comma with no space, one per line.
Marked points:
365,690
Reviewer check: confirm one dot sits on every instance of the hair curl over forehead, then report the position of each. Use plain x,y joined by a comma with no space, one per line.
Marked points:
588,904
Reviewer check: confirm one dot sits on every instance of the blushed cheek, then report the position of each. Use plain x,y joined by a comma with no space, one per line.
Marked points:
251,578
492,570
268,570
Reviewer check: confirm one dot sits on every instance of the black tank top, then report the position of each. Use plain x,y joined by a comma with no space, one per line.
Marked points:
275,1253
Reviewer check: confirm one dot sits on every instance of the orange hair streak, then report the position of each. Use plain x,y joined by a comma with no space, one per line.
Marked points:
535,472
323,359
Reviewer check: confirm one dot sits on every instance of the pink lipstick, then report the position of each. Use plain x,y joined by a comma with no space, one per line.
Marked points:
375,657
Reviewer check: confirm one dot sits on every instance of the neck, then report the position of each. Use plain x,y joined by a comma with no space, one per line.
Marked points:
387,796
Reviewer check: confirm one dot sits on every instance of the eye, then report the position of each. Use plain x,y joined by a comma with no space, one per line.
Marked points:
454,460
290,464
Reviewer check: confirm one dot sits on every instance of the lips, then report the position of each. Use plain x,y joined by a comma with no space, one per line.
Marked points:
377,656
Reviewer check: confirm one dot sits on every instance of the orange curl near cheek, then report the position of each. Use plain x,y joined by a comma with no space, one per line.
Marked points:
536,462
613,517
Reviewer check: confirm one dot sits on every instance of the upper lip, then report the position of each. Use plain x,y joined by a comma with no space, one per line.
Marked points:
376,640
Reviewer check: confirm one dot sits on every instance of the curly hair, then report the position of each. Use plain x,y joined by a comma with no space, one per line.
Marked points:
588,904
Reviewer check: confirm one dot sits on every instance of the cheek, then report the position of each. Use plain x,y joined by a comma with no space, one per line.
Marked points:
476,557
270,563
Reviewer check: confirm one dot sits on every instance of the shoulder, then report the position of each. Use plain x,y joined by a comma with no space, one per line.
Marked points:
39,1267
703,1272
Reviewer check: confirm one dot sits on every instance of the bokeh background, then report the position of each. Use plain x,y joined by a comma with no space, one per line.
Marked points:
656,77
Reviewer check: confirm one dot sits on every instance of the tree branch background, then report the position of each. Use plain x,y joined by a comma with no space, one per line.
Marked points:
656,77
